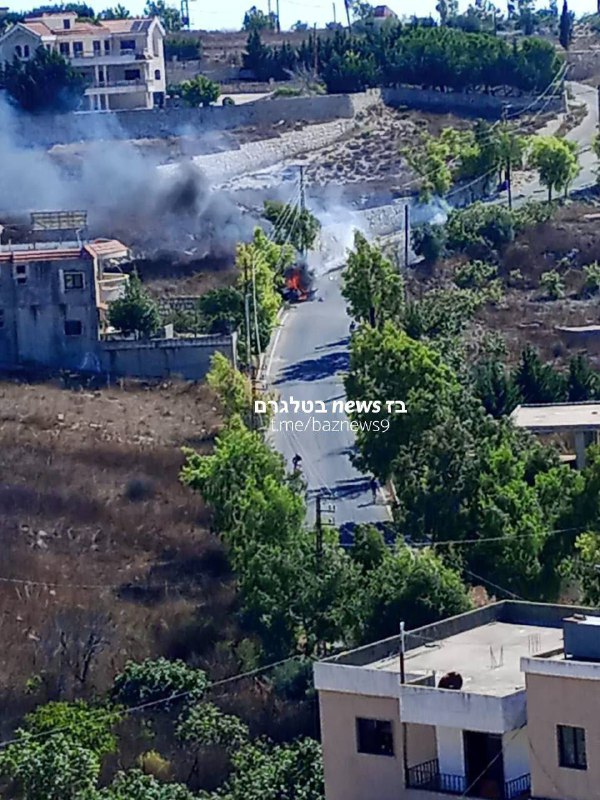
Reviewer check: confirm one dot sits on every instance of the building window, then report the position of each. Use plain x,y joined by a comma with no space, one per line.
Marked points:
19,51
73,327
64,49
20,273
156,74
127,44
77,49
132,74
26,50
571,747
73,280
67,24
107,45
96,45
374,736
1,318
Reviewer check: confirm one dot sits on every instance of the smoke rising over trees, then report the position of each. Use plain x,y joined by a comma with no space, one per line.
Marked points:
126,193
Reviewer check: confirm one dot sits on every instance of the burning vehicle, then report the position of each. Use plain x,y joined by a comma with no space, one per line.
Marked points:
299,284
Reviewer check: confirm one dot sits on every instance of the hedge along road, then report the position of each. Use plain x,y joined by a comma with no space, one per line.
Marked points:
309,356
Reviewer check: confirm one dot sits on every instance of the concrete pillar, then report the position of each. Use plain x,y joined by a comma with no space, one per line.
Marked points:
580,449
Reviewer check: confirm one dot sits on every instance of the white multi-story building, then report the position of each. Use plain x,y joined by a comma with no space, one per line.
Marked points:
122,60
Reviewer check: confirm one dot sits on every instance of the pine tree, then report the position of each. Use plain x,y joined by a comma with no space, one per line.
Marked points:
566,26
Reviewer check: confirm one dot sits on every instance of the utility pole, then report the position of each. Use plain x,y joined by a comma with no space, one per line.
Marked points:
302,208
507,166
315,51
269,9
249,360
335,13
404,728
319,531
347,4
302,189
278,22
406,233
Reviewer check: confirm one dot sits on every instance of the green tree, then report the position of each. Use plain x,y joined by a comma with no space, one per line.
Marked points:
556,162
292,225
429,241
43,84
416,587
170,16
160,680
494,386
538,382
135,312
511,149
233,388
552,284
371,285
221,310
262,771
134,785
89,726
261,264
199,91
387,363
116,12
51,768
565,35
583,381
205,725
257,20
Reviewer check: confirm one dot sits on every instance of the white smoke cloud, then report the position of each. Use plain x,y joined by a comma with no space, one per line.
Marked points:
123,191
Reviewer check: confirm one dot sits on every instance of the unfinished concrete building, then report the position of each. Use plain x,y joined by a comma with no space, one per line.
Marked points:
54,299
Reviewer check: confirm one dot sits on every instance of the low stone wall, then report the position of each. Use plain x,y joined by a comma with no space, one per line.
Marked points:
161,123
473,104
157,123
583,64
187,358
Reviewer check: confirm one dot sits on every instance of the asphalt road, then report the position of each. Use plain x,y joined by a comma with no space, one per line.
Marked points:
309,356
307,362
583,135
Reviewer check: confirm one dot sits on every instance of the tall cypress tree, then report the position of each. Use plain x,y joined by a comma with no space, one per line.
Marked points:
566,26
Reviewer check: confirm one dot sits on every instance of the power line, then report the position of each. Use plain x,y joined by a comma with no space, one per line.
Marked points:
483,539
163,701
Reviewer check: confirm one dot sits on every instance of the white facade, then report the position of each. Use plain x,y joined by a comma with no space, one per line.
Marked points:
122,60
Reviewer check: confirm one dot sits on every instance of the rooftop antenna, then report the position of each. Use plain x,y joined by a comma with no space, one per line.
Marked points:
496,660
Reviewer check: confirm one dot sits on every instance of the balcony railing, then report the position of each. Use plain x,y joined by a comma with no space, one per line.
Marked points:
427,776
518,787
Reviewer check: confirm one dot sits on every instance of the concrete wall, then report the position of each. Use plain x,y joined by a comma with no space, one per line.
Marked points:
153,123
158,358
459,709
583,64
450,750
143,124
556,701
350,775
515,746
468,103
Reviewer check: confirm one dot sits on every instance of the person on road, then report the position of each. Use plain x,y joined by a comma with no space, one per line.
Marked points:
373,486
297,462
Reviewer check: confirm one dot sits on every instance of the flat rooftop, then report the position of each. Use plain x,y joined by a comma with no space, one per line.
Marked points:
488,657
557,417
